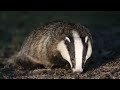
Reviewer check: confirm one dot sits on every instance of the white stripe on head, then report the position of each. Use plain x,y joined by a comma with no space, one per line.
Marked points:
78,52
89,51
64,52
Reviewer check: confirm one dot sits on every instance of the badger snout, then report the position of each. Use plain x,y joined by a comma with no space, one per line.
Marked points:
77,70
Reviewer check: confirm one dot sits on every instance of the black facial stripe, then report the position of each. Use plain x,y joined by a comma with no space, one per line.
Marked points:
71,50
85,48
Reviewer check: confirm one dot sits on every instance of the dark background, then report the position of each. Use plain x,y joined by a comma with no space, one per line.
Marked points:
15,26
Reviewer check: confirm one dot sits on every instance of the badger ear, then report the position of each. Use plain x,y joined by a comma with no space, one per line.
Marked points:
67,38
86,39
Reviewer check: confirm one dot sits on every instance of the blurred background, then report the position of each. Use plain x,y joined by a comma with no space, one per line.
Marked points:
15,26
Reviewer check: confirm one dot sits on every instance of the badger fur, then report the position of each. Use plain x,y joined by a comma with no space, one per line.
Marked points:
53,43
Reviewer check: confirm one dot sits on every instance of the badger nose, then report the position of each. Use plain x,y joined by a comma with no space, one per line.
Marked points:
77,70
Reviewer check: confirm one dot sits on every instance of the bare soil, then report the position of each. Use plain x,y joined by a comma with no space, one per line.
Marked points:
109,70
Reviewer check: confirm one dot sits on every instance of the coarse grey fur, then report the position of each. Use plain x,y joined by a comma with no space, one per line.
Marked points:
40,47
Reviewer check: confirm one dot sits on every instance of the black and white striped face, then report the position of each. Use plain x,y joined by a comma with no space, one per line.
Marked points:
76,50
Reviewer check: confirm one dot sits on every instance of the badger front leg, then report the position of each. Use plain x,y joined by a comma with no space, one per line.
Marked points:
23,61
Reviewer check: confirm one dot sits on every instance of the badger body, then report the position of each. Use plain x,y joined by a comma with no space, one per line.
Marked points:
53,41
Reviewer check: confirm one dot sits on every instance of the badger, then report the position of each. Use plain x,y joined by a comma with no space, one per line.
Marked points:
56,41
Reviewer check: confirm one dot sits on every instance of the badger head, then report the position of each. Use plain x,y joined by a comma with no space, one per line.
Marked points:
76,49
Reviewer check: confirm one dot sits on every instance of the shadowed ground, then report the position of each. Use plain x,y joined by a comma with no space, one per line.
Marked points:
104,27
